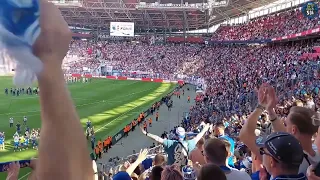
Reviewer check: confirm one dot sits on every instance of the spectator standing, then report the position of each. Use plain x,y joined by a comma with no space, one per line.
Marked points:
282,155
219,131
215,152
196,155
171,173
208,171
178,150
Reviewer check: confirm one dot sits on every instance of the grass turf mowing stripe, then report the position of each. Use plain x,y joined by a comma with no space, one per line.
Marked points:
124,109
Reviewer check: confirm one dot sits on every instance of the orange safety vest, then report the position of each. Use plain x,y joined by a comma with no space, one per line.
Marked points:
100,145
145,124
150,120
96,150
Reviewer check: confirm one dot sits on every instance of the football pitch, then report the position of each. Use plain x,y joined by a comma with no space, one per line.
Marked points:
109,104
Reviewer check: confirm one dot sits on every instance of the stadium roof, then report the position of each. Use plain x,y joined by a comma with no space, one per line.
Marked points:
99,13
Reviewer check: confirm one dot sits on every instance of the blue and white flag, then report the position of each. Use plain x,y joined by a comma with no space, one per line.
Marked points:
19,29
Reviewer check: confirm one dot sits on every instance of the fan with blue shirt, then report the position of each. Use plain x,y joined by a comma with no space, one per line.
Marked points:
219,131
178,150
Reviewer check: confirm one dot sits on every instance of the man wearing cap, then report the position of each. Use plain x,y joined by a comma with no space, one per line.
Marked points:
179,149
282,155
299,124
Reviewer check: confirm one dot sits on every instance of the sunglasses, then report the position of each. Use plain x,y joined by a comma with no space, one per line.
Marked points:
263,152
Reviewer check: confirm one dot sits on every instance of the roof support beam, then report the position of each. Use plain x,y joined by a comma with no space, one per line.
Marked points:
238,7
165,18
185,20
148,18
222,14
126,11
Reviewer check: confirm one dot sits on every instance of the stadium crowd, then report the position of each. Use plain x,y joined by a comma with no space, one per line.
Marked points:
256,119
267,27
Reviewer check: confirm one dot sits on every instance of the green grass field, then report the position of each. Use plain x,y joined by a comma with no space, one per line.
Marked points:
109,104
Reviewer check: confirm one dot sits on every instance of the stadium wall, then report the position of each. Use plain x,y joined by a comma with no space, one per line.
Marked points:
129,78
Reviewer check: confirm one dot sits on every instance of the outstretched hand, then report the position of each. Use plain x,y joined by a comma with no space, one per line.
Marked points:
262,95
272,99
142,155
53,43
267,96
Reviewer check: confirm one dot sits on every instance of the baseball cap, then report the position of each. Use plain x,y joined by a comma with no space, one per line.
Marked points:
180,132
283,147
122,175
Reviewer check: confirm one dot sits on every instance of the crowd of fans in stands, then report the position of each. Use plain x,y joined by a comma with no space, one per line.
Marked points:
267,27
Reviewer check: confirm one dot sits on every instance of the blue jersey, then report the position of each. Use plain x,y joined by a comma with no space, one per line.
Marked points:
26,141
231,141
18,126
89,124
34,140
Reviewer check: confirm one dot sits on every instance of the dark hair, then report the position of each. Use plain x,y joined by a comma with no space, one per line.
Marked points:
219,124
210,170
216,151
156,173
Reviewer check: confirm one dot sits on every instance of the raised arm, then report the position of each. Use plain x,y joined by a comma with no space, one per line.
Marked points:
63,152
152,136
201,134
277,125
247,135
142,156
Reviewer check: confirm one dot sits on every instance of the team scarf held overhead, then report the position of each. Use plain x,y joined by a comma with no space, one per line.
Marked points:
19,29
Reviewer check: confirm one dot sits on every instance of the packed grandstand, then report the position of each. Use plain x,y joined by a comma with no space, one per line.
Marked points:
252,91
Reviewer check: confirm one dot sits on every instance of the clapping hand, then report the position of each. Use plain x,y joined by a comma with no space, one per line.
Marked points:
267,97
262,95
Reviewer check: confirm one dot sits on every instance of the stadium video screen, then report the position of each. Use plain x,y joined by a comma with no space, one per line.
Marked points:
122,29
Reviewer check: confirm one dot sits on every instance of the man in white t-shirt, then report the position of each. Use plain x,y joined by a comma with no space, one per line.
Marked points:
11,122
215,152
299,124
